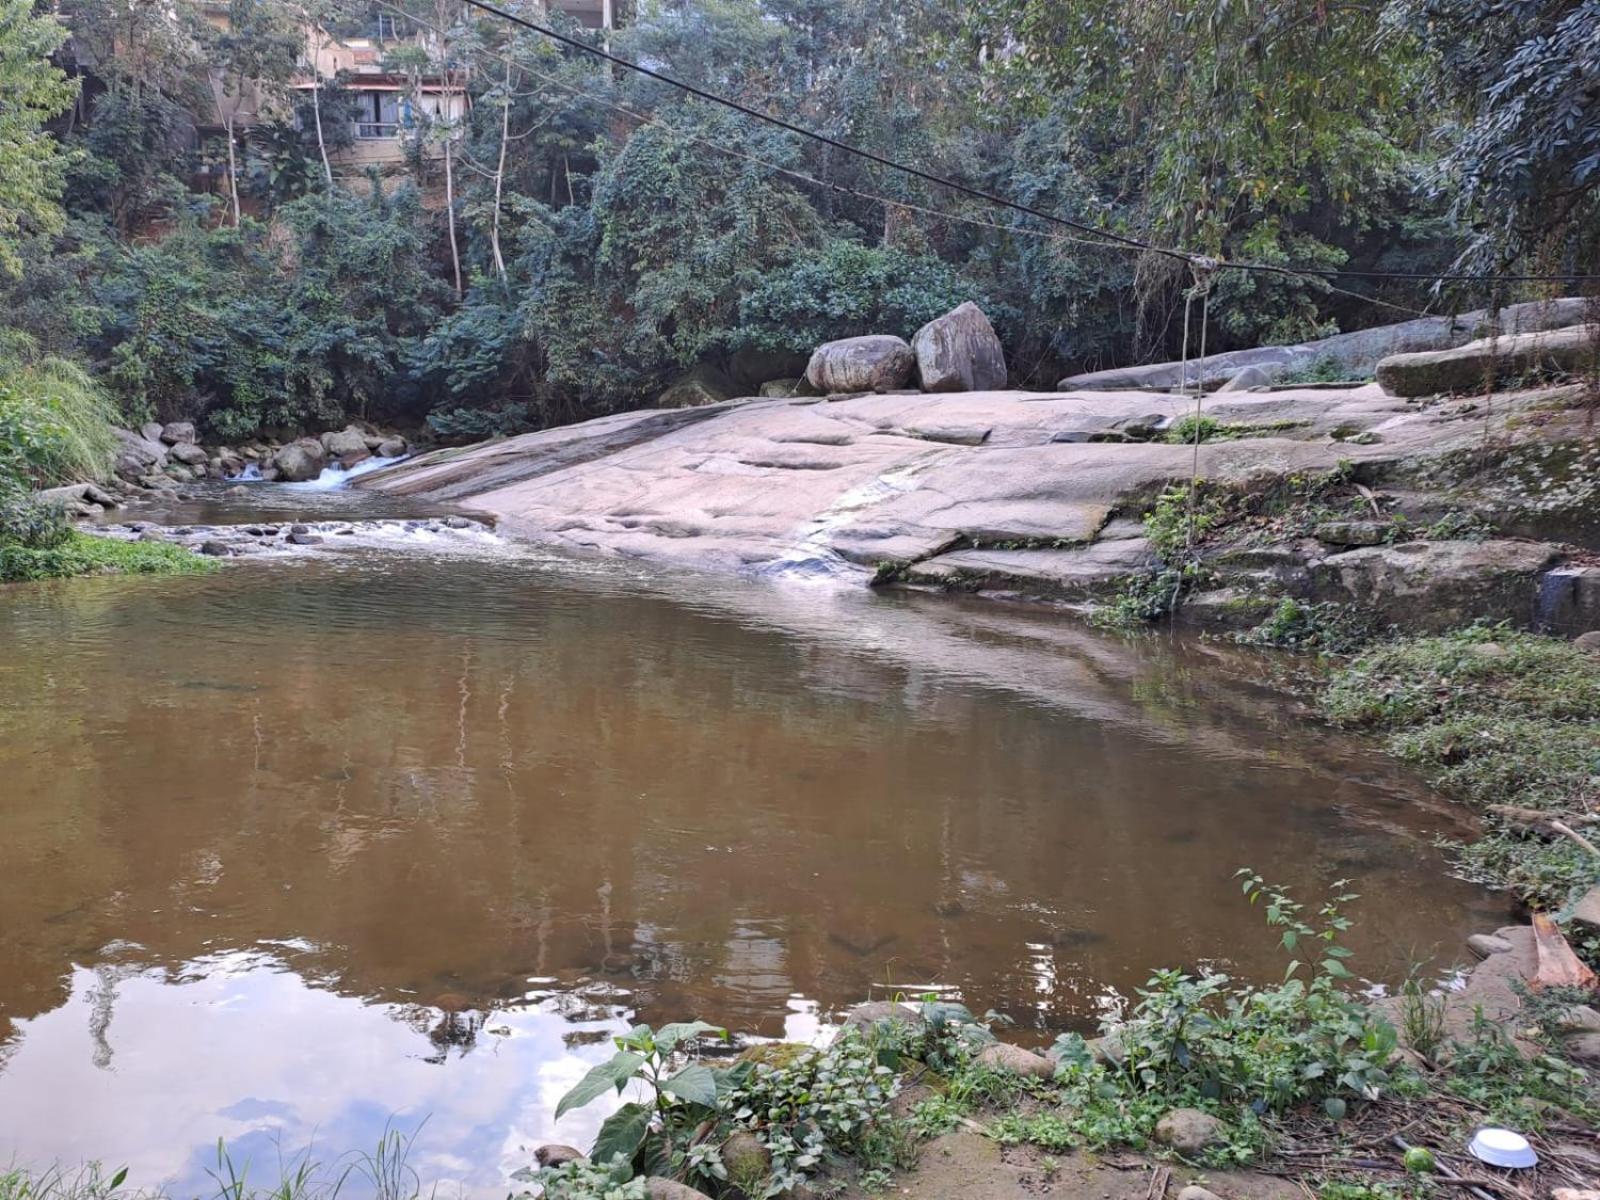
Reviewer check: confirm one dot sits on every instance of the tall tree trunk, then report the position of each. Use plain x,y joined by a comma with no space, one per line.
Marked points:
500,176
450,200
316,112
233,173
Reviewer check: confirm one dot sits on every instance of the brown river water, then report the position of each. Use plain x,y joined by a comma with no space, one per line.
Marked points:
391,838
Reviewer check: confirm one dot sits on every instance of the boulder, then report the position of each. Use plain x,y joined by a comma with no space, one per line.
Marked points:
1014,1060
869,1016
189,454
138,456
1435,586
780,389
150,431
392,448
1249,377
1485,944
959,352
1188,1131
875,363
304,539
78,493
178,433
215,548
1195,1192
1489,361
1588,641
1577,1018
345,442
705,384
299,461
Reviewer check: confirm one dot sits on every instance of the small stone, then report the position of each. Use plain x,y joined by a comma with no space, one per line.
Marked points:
1002,1056
215,549
299,529
304,539
878,1012
1587,910
657,1188
1583,1048
1588,641
1188,1131
745,1157
1485,944
1352,533
1195,1192
1578,1018
556,1154
1071,435
458,523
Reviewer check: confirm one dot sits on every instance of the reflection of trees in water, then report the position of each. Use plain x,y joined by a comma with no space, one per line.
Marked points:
102,1000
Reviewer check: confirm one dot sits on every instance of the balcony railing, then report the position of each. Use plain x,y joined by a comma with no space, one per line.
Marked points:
377,129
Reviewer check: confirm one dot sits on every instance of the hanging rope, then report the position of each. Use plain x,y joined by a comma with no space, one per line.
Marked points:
1201,270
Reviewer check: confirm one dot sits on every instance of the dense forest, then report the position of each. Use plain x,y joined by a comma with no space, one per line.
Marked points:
572,237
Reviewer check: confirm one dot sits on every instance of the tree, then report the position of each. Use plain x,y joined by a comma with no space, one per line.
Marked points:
1522,167
32,91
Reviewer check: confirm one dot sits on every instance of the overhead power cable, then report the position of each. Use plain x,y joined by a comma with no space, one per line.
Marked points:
1130,243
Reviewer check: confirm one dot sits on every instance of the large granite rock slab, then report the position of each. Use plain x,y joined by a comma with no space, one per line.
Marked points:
1489,362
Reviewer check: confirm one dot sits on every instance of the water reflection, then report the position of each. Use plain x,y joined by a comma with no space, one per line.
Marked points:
282,849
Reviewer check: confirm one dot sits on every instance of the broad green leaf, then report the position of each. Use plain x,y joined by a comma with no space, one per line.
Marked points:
621,1134
695,1083
1334,1107
613,1073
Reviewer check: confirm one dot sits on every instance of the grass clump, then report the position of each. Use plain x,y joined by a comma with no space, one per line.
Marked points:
1327,628
55,425
1494,717
83,554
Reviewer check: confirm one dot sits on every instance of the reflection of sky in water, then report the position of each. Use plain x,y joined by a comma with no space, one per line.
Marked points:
239,1047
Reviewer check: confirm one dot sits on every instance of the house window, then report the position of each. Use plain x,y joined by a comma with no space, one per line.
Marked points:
377,114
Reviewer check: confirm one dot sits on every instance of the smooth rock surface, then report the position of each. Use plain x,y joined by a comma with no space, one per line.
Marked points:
1488,362
876,1012
1002,1056
875,363
959,352
1188,1131
178,433
1438,586
1485,944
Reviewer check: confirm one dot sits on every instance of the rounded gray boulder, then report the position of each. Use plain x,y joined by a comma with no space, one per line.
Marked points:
875,363
959,352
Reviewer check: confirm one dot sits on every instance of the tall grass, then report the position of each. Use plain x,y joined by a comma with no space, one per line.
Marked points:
55,424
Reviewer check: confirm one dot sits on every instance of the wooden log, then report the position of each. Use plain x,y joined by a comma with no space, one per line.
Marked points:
1558,966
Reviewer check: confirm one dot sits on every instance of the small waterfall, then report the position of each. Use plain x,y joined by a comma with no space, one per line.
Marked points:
250,474
335,477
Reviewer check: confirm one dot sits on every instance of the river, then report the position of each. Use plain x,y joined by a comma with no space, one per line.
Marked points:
396,837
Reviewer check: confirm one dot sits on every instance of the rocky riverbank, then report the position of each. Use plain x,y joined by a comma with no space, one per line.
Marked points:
1425,511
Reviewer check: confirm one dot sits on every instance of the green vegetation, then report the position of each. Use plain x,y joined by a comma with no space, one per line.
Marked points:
1326,628
580,237
1494,717
1197,427
84,554
55,424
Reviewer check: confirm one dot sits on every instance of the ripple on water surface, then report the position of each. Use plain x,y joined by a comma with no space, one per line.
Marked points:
304,847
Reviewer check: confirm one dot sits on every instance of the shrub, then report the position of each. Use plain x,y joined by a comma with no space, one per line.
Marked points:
81,554
55,425
28,522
